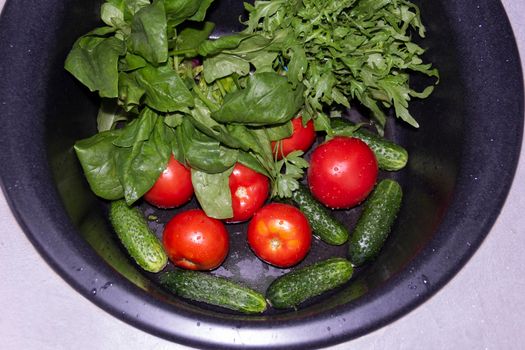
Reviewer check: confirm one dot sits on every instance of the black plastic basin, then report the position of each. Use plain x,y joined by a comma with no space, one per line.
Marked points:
462,162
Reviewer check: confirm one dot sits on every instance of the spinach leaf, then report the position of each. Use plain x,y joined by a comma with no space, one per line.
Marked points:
203,153
223,65
216,46
267,99
250,160
201,12
127,9
201,118
279,131
191,37
149,37
240,52
141,163
129,92
138,129
213,193
96,156
131,62
94,61
109,114
165,90
180,10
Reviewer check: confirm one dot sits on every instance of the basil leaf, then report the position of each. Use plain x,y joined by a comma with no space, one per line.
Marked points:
165,90
94,61
267,99
96,156
213,193
149,37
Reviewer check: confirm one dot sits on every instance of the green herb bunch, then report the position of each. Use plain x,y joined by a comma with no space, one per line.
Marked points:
167,89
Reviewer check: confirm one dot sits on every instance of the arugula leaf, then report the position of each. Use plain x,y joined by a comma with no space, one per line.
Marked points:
148,37
213,193
344,50
93,60
96,156
267,99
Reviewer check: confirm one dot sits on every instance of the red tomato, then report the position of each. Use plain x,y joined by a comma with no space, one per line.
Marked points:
195,241
302,138
249,191
280,234
342,172
173,187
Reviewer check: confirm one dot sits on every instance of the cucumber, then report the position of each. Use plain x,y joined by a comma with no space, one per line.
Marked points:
324,225
374,224
390,156
295,287
210,289
134,233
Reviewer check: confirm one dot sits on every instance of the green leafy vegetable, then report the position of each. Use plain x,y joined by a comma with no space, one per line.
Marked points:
148,37
170,89
348,49
93,60
213,193
96,155
267,99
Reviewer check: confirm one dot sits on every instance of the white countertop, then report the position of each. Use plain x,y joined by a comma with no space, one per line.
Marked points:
482,307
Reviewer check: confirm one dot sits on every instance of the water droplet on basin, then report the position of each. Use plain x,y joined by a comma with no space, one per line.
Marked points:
94,291
106,285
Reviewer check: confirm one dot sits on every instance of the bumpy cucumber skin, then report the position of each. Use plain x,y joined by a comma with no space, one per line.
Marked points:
374,224
295,287
390,156
210,289
324,225
134,233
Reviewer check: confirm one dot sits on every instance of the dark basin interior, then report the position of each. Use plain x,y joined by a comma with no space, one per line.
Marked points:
462,161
